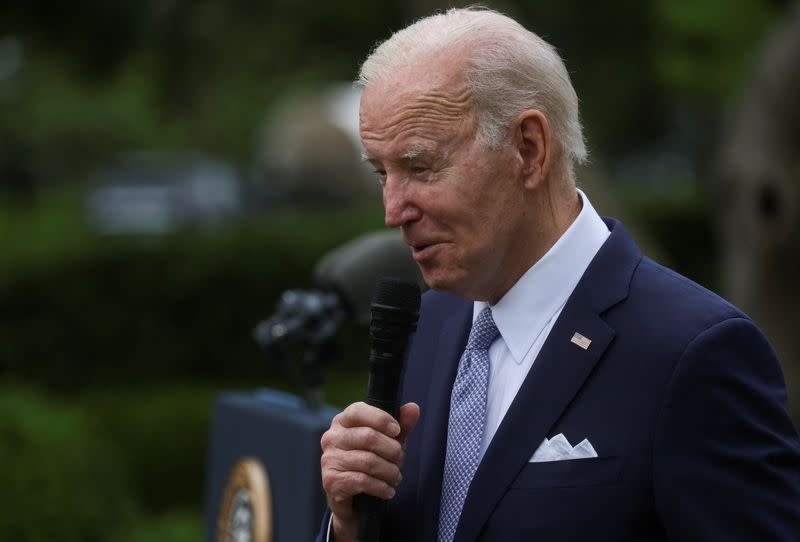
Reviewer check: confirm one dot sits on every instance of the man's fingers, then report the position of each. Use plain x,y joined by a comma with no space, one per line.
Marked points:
361,453
342,486
363,415
408,417
363,462
364,427
348,473
364,438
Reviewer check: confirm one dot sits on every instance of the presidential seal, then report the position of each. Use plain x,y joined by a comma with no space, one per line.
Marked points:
246,511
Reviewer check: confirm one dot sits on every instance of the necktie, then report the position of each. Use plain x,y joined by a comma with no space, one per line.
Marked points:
467,420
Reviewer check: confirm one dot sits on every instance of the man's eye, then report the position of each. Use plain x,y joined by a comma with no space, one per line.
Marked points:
381,176
419,170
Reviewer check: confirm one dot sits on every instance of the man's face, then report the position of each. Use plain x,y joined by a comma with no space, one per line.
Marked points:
457,201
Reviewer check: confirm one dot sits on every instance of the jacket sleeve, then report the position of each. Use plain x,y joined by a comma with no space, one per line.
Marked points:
726,454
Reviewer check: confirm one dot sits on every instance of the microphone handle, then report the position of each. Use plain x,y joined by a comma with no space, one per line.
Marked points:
386,370
395,310
371,510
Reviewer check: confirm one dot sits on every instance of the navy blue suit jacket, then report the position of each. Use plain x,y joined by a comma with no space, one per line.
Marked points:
679,393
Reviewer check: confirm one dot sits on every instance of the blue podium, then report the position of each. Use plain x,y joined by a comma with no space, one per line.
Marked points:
263,476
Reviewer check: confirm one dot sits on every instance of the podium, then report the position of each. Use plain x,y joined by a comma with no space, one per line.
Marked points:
263,480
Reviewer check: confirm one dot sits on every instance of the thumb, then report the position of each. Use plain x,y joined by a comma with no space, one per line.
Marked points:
408,417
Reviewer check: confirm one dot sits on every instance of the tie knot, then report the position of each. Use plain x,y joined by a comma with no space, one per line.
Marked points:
484,331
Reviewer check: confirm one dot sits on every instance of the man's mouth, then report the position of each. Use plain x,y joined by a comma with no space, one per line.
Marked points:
423,250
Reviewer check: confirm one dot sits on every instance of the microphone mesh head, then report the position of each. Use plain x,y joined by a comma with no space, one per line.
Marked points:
396,293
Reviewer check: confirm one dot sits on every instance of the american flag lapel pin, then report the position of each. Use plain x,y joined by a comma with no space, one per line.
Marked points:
581,341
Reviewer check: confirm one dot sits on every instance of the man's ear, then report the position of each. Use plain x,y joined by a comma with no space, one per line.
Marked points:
534,144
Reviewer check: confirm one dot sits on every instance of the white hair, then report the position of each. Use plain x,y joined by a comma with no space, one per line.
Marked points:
510,70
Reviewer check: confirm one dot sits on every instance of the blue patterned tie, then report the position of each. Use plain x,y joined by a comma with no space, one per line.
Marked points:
467,420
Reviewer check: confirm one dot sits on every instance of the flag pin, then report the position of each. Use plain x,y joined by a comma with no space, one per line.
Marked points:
581,341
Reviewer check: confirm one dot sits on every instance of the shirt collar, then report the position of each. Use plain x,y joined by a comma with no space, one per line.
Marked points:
525,310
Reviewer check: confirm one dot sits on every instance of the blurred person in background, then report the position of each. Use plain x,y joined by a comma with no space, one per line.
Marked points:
561,385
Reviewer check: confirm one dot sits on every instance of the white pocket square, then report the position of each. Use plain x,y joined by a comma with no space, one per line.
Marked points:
558,448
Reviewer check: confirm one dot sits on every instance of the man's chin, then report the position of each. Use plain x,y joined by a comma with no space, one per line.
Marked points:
440,281
434,282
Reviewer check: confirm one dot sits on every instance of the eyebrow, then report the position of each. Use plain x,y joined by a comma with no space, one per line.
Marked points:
414,153
410,154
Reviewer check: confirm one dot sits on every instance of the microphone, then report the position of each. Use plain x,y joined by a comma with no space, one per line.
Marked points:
353,269
395,311
343,281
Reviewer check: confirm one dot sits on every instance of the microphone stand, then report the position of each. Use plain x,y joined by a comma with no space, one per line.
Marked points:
308,318
314,358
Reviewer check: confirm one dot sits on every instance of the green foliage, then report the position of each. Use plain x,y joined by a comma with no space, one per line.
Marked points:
111,320
131,471
71,123
35,238
704,47
103,310
59,480
156,75
175,526
164,432
201,75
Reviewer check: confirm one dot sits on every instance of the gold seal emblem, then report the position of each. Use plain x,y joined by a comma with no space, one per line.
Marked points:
246,511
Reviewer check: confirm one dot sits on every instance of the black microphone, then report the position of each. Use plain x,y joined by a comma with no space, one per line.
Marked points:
395,311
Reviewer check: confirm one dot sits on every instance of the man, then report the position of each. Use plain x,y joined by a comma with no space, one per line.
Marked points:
560,385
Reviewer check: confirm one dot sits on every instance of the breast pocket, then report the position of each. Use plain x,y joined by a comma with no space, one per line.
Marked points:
569,473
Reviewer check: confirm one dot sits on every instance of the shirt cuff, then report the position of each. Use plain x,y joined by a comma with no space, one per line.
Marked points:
330,528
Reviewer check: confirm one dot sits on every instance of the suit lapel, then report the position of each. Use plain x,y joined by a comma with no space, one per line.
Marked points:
557,375
452,341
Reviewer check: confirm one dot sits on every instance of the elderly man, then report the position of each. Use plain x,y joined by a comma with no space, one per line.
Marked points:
560,386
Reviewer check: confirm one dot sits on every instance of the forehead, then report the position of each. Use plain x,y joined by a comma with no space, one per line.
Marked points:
423,104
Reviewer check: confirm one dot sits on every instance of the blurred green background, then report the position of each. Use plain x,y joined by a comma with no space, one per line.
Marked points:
168,168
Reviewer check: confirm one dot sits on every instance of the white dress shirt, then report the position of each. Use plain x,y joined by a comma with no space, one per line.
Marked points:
526,313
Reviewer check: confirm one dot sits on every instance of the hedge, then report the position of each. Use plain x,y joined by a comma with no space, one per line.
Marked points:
60,480
120,310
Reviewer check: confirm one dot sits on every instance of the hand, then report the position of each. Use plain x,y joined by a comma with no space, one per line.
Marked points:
362,452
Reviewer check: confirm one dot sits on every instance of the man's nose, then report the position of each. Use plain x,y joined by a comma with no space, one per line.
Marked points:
398,205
